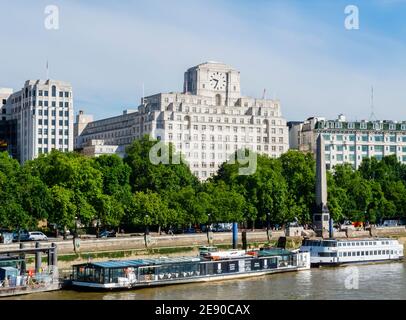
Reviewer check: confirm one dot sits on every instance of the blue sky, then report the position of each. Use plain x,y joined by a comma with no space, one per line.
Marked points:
298,50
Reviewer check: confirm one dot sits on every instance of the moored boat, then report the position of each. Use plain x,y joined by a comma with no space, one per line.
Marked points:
333,252
211,265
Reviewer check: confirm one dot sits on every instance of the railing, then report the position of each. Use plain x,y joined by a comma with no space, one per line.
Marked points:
43,279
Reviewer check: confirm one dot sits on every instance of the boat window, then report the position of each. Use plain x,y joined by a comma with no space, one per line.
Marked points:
339,244
358,253
375,253
367,253
379,252
353,244
391,252
387,251
345,254
362,253
374,243
357,243
353,254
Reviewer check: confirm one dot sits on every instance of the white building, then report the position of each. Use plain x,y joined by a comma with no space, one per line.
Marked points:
352,141
43,111
207,122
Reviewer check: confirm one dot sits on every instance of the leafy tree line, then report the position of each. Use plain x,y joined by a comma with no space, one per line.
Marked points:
132,192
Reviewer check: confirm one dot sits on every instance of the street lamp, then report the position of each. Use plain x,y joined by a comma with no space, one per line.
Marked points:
146,225
268,221
208,227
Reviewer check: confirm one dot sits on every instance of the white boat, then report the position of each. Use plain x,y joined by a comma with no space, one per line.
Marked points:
342,251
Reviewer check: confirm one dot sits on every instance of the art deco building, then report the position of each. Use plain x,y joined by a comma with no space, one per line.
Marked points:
43,115
351,141
207,122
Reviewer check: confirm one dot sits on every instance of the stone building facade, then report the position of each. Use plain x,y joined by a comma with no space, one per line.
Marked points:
352,141
207,122
43,114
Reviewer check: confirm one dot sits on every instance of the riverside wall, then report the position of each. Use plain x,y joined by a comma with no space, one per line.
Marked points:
190,240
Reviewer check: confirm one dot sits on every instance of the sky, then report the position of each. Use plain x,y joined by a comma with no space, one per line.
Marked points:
299,51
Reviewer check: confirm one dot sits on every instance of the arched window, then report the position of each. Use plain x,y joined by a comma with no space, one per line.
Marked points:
218,99
54,91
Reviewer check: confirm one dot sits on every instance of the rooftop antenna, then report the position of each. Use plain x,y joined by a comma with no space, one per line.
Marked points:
372,117
47,74
143,93
264,95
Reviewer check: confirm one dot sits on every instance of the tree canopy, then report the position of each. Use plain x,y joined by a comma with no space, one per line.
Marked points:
114,192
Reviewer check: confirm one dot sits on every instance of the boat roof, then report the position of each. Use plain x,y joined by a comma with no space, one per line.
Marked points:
140,262
274,252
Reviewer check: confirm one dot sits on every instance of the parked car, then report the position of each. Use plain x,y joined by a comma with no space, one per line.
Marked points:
23,235
223,227
189,230
107,234
37,236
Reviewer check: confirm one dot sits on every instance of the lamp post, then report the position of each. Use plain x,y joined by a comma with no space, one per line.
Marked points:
268,221
208,228
146,225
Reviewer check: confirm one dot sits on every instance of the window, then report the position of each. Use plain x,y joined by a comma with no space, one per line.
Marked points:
379,138
46,93
54,91
66,94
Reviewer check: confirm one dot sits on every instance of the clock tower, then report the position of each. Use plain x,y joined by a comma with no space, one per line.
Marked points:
215,80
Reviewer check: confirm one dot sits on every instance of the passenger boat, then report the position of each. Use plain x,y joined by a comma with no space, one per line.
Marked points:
210,265
334,252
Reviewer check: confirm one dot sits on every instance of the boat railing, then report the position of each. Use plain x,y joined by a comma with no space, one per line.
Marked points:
31,280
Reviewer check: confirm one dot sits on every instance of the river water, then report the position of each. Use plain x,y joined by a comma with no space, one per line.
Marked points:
379,281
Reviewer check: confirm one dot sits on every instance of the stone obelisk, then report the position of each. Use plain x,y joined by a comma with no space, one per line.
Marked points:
321,218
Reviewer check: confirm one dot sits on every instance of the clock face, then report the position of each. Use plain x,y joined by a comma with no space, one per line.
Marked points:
218,81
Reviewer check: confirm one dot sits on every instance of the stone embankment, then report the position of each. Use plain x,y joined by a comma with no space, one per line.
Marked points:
191,240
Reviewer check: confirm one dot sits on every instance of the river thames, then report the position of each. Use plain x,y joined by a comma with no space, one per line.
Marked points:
379,281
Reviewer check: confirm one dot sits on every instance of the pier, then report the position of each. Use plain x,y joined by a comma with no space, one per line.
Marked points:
16,278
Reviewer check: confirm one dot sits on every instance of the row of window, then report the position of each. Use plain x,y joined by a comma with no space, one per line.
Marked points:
364,148
365,138
227,138
53,113
206,110
45,122
367,253
230,147
352,157
220,128
363,243
46,150
226,120
53,131
362,125
53,141
45,103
